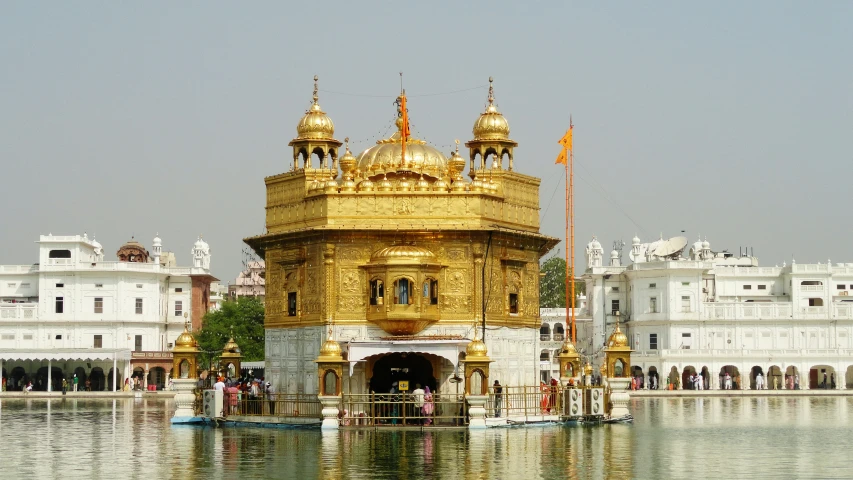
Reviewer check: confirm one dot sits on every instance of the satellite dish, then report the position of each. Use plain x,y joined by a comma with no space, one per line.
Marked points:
668,248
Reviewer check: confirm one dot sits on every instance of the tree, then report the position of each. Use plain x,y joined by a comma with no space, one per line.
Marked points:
552,284
244,320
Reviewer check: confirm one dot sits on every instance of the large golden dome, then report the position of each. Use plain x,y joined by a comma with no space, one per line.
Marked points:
315,124
491,125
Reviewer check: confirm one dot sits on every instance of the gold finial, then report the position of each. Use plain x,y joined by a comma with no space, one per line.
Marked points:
491,91
316,89
457,145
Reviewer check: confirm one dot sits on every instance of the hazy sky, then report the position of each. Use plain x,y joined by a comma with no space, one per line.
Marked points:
727,119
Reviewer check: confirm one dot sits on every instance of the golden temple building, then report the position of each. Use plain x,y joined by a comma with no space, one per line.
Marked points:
401,255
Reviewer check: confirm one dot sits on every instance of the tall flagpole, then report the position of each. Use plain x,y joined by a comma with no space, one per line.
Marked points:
571,168
569,249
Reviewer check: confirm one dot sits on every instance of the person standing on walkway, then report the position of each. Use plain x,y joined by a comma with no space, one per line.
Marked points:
429,405
796,381
499,390
270,393
74,382
64,386
418,397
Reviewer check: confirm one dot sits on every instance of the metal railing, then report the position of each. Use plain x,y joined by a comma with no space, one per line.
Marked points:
398,409
524,402
272,405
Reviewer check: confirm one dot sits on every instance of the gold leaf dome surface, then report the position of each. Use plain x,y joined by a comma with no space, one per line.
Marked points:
231,346
386,156
491,125
476,348
315,124
568,349
402,252
617,338
330,348
186,340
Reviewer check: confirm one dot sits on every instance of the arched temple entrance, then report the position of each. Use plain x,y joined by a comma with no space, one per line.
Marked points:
394,367
822,376
730,378
792,378
774,378
97,380
654,378
688,371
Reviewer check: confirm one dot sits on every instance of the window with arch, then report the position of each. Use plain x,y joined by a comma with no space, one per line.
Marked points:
403,288
430,292
545,332
558,332
377,291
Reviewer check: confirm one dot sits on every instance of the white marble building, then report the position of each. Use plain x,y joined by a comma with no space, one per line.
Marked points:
75,312
696,310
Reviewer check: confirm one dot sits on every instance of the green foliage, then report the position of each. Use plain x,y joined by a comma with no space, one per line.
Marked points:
244,320
552,284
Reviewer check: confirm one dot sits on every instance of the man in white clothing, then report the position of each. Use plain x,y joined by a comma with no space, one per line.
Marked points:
418,396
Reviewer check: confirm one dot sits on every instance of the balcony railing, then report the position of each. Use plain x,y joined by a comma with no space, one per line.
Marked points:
26,311
812,288
773,355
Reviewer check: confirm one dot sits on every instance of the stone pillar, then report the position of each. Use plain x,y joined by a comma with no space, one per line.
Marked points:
145,378
330,374
330,411
477,411
49,376
184,399
115,372
619,396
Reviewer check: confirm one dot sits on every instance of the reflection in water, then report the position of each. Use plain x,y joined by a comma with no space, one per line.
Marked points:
671,438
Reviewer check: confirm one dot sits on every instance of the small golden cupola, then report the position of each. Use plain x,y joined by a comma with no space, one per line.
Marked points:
491,138
231,358
617,338
617,354
315,135
477,363
348,163
185,355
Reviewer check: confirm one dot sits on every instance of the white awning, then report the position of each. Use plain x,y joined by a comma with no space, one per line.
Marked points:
447,349
72,354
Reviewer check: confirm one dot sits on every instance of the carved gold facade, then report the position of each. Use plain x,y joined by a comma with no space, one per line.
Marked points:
401,241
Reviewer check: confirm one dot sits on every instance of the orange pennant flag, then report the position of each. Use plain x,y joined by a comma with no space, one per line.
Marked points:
562,157
566,141
405,133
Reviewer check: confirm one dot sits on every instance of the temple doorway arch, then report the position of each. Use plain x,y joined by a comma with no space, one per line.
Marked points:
392,368
97,380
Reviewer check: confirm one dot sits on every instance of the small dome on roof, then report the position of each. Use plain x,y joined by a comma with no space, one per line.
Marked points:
476,348
617,338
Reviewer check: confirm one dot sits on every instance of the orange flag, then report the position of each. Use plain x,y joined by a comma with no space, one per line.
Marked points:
562,157
405,133
566,141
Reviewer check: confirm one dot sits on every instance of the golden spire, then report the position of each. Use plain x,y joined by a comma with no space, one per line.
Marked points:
491,90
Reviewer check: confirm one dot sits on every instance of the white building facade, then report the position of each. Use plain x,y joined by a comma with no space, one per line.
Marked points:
718,314
105,321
